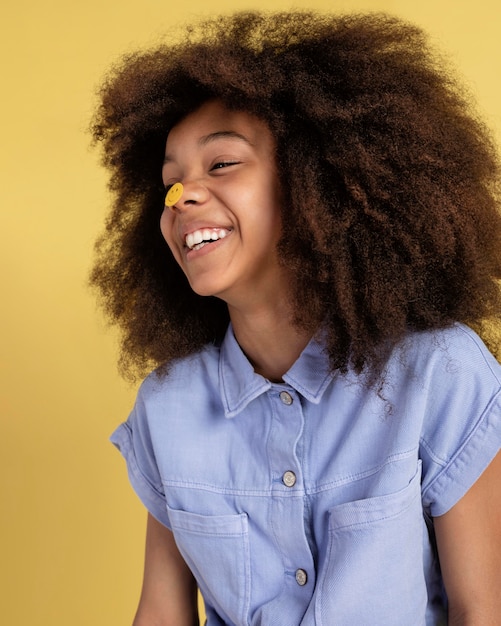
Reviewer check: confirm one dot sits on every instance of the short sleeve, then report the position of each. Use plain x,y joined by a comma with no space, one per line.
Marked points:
462,432
133,440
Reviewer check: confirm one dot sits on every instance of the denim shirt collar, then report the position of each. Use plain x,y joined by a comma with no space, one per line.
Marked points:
239,384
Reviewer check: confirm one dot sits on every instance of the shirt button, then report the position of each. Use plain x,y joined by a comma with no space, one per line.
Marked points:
301,577
289,479
286,398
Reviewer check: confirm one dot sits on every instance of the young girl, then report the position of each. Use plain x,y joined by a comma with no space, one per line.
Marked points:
305,218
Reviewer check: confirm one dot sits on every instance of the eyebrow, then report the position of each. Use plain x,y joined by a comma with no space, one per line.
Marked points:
223,134
220,134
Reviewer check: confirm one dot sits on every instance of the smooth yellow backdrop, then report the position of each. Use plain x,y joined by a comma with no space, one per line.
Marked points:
71,529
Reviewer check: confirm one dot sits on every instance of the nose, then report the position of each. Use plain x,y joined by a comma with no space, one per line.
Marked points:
181,195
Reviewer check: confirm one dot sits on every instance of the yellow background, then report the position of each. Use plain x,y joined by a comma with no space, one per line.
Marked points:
71,530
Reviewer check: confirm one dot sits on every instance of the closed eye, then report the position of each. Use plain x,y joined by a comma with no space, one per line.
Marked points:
221,164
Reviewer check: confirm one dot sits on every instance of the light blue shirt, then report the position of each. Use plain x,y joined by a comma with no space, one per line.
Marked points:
310,502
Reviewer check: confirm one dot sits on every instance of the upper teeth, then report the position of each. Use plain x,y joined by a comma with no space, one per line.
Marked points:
205,234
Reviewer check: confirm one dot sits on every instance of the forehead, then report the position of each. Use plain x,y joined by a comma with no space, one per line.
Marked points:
213,121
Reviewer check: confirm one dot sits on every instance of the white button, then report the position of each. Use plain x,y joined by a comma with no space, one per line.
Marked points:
286,397
289,479
301,577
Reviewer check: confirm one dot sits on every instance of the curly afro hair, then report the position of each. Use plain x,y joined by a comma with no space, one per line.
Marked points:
401,230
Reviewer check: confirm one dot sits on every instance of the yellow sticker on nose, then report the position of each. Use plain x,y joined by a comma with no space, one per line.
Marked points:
174,194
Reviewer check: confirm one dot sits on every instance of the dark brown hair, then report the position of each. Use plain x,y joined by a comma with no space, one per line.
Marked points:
391,182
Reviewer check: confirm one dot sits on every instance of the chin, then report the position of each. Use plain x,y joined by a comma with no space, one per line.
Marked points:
205,290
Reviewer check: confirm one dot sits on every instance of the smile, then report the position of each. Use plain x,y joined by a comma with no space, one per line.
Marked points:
199,238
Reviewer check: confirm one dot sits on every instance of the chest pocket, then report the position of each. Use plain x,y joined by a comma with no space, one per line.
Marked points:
374,568
216,548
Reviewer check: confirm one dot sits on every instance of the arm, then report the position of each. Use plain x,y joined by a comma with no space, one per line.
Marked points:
169,594
469,546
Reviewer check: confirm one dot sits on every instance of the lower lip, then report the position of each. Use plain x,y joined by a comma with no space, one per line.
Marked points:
205,250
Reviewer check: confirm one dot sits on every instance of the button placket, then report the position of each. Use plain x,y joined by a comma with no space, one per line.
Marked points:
288,507
289,478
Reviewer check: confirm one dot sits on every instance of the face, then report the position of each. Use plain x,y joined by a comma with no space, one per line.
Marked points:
224,228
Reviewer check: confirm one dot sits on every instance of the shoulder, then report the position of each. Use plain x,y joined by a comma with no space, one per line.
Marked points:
445,355
459,393
193,374
454,377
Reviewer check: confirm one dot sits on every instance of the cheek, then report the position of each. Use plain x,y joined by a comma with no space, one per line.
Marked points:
274,216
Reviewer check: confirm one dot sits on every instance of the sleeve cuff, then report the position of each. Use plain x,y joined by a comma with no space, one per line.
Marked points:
469,463
153,500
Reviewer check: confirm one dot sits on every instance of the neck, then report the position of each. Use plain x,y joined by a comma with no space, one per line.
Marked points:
270,340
